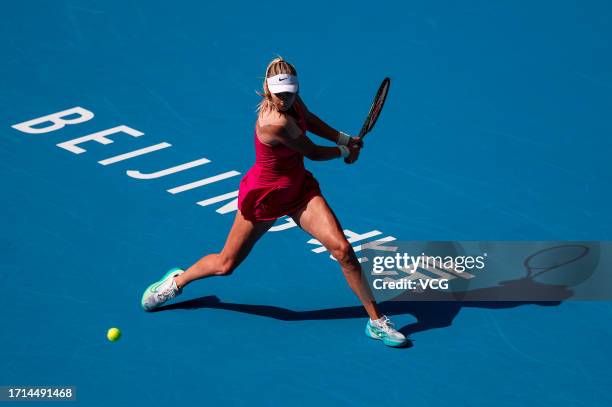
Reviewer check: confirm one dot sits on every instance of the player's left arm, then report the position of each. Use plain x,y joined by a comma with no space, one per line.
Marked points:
317,126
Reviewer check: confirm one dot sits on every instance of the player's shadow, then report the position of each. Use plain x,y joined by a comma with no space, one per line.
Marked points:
438,312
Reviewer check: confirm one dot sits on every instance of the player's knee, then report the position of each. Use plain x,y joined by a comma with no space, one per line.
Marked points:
342,251
227,265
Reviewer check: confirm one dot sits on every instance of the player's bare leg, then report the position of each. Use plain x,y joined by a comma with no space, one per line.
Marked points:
319,220
240,240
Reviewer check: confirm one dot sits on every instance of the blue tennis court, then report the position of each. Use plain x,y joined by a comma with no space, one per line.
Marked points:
497,127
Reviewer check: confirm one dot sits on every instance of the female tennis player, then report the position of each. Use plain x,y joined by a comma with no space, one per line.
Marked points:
278,185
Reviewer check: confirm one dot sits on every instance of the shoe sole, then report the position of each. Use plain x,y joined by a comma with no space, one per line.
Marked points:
154,285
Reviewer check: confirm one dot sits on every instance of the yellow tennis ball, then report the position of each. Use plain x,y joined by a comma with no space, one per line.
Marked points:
113,334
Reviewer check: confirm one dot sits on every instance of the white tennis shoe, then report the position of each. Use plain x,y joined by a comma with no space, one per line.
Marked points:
161,291
383,330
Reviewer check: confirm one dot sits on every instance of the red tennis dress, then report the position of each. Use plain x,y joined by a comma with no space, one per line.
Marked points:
278,183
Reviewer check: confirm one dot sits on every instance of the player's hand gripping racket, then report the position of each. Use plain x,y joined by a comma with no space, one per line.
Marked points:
375,109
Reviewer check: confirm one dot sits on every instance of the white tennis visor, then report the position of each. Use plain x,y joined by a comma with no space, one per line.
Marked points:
283,83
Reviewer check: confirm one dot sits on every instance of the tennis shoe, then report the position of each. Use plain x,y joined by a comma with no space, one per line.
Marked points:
383,330
161,291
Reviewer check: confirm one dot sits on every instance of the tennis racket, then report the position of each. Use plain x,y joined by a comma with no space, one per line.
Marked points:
375,109
377,105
